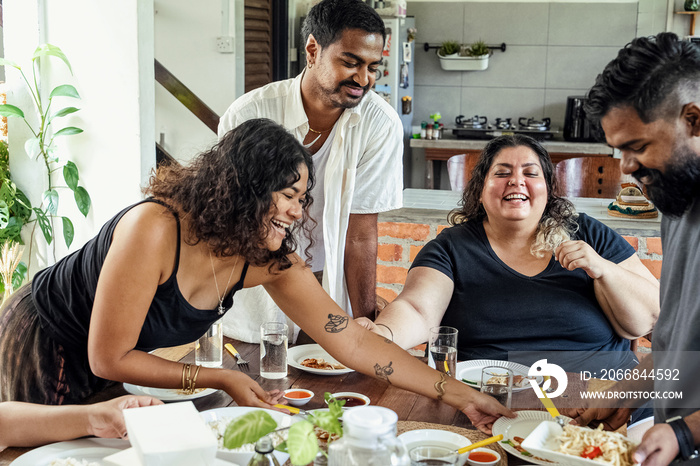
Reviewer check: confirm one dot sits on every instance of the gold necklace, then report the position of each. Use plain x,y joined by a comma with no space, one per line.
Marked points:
220,296
320,132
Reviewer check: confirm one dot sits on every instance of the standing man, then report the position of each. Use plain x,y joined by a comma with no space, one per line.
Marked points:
356,141
647,102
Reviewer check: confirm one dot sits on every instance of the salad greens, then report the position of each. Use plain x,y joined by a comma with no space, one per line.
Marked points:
301,443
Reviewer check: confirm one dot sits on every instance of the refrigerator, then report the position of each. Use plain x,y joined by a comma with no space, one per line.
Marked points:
395,78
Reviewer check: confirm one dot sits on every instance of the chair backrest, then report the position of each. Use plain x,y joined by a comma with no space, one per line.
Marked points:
590,177
459,169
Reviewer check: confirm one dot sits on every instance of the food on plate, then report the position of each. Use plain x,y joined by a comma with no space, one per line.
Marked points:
518,380
324,436
320,363
72,462
515,443
181,391
218,426
596,444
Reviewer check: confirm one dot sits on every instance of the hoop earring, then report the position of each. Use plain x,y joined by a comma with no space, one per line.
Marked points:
311,65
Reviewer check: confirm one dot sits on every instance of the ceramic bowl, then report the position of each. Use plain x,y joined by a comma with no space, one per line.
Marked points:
438,438
474,462
297,400
352,399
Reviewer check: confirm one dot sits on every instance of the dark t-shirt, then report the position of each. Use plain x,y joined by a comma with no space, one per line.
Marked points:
498,310
65,292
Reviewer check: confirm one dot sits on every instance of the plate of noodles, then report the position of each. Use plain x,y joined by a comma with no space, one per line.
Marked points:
579,445
517,429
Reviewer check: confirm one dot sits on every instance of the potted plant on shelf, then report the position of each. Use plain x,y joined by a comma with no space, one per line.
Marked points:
449,48
476,59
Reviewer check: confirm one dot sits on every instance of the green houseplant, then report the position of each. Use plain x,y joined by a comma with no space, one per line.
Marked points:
479,49
448,47
40,119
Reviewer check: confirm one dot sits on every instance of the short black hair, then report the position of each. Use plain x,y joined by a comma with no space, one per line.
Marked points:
655,75
328,19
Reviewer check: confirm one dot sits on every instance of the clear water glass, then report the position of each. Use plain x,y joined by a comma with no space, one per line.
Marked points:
208,351
273,350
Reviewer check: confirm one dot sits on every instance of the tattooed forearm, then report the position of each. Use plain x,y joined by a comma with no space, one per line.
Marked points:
383,372
336,324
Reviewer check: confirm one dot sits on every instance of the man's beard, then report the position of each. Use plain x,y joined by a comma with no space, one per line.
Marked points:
344,101
674,190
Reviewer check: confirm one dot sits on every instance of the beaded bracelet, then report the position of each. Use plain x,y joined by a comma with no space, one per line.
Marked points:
440,385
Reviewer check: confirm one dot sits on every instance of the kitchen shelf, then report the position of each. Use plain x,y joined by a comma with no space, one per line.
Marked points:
693,15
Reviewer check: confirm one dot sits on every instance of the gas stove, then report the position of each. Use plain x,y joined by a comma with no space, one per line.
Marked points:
478,127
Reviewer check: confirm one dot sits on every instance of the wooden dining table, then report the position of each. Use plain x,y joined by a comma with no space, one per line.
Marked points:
411,408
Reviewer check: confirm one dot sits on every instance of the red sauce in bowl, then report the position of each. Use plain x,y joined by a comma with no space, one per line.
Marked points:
482,456
351,401
297,394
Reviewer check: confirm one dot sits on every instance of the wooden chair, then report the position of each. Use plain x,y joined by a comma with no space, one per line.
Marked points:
590,177
459,169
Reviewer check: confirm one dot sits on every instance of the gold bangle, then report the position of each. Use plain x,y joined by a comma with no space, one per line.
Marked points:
185,368
440,386
194,379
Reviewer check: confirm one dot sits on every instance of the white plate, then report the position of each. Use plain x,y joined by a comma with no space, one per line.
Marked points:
166,394
543,442
521,426
438,438
90,449
297,354
283,420
471,370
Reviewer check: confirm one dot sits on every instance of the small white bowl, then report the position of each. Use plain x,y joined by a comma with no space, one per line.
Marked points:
483,463
298,401
362,400
437,438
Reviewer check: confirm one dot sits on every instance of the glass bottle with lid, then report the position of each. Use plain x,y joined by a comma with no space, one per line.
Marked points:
369,439
263,453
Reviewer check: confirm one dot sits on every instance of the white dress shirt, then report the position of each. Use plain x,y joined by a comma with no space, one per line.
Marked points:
364,175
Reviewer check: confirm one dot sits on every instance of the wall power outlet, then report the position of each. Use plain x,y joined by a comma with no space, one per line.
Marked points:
224,44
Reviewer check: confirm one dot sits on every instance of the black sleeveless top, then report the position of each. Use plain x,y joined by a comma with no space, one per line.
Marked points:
65,292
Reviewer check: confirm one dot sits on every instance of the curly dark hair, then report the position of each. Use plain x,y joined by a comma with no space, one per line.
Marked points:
559,209
226,192
650,74
328,19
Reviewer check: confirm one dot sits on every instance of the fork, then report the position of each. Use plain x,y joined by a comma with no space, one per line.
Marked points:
242,363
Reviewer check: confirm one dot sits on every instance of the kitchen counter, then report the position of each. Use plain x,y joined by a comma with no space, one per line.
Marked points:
556,146
440,150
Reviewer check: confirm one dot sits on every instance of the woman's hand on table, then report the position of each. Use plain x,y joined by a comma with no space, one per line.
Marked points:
484,410
611,418
106,420
580,255
247,392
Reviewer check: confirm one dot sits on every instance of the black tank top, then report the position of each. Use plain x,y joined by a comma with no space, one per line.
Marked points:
64,294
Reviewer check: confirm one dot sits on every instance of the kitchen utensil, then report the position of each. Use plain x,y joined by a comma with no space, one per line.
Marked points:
242,363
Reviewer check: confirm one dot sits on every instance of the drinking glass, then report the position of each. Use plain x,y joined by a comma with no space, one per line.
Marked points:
273,350
432,456
208,351
498,382
443,349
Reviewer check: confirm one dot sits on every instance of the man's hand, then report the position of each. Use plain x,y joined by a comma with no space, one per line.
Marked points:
483,411
658,448
611,418
106,420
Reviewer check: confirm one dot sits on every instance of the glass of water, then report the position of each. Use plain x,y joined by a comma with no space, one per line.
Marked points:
273,350
432,456
443,349
208,351
498,383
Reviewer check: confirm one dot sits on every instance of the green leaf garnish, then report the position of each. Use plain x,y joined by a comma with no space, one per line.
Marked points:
248,429
302,444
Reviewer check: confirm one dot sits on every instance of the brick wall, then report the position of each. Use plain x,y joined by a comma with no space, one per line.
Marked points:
400,242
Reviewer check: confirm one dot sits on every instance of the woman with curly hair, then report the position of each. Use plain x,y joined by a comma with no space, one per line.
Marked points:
521,271
163,270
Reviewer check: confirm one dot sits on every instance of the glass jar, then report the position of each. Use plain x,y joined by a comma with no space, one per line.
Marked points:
369,439
264,453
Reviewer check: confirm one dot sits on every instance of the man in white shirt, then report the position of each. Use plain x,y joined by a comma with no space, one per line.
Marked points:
356,141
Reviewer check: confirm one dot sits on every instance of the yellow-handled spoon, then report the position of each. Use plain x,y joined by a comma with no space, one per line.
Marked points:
481,443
